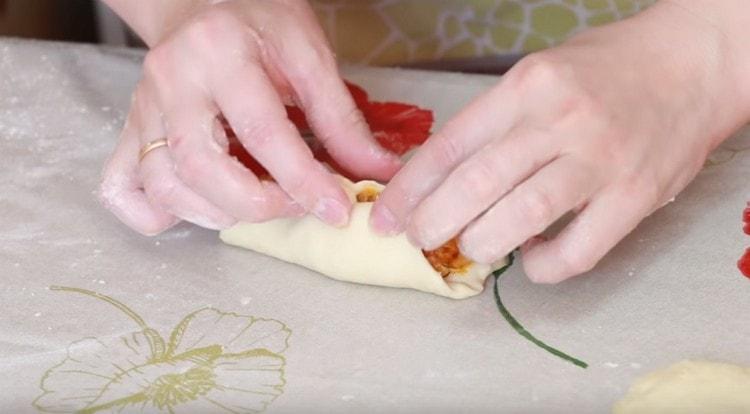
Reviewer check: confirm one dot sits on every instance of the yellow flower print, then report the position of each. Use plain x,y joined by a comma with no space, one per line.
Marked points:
213,362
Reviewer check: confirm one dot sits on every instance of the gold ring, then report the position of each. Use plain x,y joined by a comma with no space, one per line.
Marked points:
151,146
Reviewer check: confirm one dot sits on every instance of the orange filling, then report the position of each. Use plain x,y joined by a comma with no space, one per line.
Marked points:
446,259
368,195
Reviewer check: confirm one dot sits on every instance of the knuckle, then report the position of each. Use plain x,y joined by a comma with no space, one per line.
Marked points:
645,185
445,152
192,167
537,209
570,99
163,193
208,28
258,133
157,62
536,70
478,180
177,142
350,120
109,192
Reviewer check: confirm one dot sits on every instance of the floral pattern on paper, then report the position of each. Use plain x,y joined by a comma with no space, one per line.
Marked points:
213,361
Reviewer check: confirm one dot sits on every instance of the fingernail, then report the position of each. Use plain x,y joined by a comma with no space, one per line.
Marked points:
211,223
332,212
469,249
384,222
426,236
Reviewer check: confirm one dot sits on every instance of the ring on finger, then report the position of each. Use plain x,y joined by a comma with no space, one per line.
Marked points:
158,143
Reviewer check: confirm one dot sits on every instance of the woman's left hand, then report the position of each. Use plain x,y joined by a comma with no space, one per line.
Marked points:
611,125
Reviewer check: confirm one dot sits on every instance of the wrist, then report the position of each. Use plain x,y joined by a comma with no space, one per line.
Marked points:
725,28
154,20
688,55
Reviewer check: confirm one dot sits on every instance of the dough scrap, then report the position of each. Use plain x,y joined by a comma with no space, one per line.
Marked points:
690,387
354,253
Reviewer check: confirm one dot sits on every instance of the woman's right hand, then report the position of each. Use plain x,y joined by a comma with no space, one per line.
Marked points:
243,59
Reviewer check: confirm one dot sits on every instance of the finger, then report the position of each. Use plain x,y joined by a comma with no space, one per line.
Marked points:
307,63
580,246
529,209
205,166
532,242
338,124
252,107
477,184
120,190
469,131
163,187
157,171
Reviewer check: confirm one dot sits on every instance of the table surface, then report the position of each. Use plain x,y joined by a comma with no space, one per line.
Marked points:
266,334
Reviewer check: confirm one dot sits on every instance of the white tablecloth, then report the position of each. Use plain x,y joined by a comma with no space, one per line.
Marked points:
275,336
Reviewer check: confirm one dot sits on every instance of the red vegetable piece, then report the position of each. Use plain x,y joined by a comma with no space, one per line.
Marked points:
398,127
358,94
744,263
298,118
238,151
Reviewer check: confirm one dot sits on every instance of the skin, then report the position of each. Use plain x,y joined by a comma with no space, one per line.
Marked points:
610,125
244,59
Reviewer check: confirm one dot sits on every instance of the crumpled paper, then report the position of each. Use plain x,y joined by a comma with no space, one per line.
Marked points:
95,316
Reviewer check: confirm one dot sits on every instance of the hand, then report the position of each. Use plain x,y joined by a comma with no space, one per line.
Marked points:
243,59
611,126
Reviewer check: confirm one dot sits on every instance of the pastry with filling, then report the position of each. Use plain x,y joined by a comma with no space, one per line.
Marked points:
356,254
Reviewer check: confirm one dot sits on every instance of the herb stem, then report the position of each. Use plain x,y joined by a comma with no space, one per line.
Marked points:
513,322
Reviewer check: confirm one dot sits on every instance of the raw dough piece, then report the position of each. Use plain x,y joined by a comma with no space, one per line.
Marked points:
355,253
690,387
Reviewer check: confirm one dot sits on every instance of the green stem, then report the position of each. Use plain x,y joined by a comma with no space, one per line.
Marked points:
521,330
156,343
134,316
130,400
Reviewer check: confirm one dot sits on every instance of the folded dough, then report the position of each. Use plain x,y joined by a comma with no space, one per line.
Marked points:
690,387
356,254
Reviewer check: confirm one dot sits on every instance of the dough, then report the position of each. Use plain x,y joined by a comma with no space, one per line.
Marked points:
690,387
356,254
